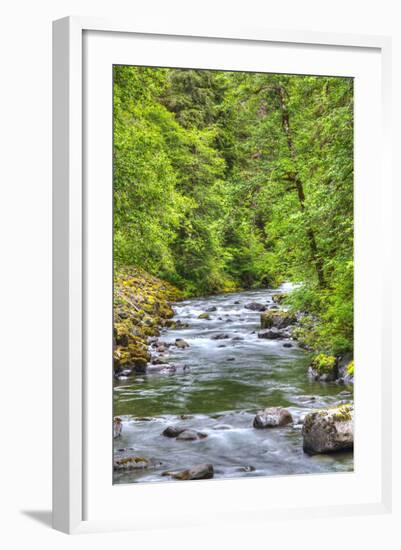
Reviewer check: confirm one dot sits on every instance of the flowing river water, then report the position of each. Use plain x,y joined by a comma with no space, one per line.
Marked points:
226,382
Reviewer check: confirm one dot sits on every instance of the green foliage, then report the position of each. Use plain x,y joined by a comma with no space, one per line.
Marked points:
324,363
237,180
350,368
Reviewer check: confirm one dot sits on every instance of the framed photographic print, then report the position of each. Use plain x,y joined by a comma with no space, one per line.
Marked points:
220,208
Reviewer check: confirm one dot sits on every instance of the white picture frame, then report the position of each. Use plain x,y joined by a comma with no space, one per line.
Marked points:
70,257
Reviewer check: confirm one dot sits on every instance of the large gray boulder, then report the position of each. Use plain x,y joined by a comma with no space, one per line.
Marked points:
329,430
272,417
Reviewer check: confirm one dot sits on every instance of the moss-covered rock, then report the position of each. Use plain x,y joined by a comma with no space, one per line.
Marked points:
130,463
200,471
329,430
276,318
279,298
204,316
142,304
324,368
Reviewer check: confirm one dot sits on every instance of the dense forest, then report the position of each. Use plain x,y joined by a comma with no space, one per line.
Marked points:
230,180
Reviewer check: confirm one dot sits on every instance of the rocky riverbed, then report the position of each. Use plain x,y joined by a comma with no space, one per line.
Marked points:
189,410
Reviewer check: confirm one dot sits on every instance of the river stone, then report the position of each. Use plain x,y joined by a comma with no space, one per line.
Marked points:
255,306
329,430
200,471
204,316
287,345
129,461
173,431
161,369
278,319
220,336
211,308
158,361
190,435
126,372
272,417
272,334
181,343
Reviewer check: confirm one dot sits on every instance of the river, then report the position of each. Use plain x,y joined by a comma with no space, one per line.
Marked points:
227,381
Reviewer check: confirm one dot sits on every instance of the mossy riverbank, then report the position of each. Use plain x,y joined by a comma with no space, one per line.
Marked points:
142,306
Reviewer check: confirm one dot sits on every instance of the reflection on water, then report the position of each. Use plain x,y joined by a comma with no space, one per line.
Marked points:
227,382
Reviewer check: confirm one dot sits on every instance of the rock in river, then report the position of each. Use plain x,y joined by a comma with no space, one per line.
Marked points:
200,471
255,306
272,417
204,316
272,334
124,459
278,319
183,434
163,368
220,336
181,343
329,430
173,431
190,435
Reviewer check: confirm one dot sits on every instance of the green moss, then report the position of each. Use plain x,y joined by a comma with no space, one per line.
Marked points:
343,413
272,318
350,368
142,304
323,363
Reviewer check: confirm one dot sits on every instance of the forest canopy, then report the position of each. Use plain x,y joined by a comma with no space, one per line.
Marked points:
228,180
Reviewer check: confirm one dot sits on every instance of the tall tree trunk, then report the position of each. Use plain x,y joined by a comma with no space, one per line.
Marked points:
316,258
